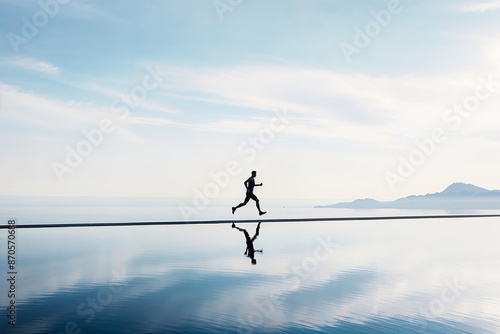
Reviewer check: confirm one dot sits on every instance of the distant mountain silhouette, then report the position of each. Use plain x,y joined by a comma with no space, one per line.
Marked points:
456,196
467,189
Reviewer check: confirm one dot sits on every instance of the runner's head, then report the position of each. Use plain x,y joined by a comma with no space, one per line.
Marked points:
254,173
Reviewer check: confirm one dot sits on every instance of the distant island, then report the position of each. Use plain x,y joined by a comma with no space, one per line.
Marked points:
456,196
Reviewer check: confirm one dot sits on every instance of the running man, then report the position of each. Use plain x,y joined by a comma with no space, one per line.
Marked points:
250,251
250,184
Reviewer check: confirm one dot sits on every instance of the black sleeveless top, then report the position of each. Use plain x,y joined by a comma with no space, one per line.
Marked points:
251,185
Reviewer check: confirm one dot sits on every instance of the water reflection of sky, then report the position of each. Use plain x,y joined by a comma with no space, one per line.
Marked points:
387,277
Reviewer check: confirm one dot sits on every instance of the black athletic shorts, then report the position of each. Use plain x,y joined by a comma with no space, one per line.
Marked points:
251,196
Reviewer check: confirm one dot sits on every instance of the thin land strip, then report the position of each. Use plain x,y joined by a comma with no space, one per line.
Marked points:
230,221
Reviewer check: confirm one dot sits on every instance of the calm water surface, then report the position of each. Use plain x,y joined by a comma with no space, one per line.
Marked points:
421,276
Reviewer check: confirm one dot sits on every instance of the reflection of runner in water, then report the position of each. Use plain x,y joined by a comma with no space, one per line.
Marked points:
250,251
250,184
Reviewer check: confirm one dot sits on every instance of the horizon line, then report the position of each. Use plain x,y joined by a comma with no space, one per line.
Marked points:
229,221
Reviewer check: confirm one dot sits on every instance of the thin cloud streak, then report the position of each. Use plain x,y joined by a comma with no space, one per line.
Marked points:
33,65
119,94
480,7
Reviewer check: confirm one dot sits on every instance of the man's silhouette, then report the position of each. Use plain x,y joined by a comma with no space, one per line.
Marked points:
250,251
250,184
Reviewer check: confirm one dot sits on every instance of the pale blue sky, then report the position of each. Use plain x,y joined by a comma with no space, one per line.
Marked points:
219,82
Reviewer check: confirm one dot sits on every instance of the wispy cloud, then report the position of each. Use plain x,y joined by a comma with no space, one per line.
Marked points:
52,117
480,6
33,65
156,121
90,11
326,103
109,89
58,119
33,109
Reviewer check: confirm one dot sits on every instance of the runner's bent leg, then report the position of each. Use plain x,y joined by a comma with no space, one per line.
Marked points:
247,198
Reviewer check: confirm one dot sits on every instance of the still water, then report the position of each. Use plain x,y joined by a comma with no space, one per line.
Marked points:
418,276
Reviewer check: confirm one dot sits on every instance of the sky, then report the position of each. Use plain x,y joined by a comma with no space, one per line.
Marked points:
328,100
